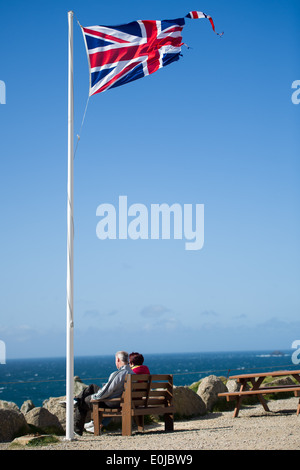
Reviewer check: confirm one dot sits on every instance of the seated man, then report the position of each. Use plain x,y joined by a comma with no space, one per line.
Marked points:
112,389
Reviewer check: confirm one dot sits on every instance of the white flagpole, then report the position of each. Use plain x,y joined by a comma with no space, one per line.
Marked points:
70,322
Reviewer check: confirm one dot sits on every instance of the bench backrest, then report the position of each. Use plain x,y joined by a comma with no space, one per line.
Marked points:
148,390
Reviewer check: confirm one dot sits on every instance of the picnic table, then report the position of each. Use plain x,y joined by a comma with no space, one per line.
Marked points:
252,384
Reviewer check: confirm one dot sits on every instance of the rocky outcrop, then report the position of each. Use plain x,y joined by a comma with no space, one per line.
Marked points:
12,424
78,385
187,403
27,406
51,417
208,390
279,382
233,386
8,405
55,405
45,421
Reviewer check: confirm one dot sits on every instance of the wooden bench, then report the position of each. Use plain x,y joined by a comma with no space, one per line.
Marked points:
258,392
142,395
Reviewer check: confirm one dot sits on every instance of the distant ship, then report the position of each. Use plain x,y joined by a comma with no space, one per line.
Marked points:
277,353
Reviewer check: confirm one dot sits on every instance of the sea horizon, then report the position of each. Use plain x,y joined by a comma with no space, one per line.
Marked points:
38,379
269,351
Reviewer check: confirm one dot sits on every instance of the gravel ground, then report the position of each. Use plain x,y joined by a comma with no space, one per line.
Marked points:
254,429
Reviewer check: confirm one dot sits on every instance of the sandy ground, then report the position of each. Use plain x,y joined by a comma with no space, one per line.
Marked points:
254,429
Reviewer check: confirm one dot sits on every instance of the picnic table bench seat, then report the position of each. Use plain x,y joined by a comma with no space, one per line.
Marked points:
143,395
263,391
259,389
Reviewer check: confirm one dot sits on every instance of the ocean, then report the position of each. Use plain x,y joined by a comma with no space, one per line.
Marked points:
39,379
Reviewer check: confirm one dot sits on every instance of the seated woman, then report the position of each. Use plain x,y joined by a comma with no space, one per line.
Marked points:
136,362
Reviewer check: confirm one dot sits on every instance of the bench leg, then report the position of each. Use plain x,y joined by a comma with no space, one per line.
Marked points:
298,408
169,422
126,425
97,418
140,423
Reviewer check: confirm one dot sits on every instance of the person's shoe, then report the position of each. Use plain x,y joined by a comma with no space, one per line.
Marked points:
89,427
64,402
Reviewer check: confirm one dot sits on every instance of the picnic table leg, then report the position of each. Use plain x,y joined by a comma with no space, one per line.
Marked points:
263,402
239,399
297,377
256,384
237,406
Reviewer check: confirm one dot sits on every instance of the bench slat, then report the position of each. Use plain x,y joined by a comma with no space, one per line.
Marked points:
151,401
153,411
143,385
158,385
111,411
155,377
152,393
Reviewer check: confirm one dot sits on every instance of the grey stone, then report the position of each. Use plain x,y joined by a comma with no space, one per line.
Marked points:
208,390
12,424
280,381
27,406
57,407
78,385
233,386
187,403
44,420
8,405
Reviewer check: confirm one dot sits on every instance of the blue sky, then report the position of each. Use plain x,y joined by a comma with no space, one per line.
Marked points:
217,128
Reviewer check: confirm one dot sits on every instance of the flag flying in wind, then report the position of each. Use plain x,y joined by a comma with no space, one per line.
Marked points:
123,53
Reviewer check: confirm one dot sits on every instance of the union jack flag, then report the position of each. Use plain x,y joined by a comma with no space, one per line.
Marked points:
123,53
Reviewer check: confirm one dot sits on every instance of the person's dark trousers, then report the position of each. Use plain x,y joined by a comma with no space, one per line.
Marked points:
83,406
